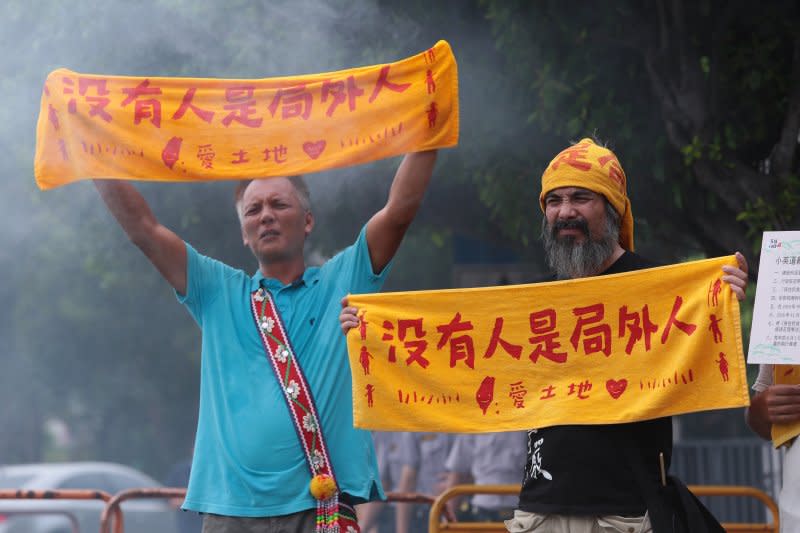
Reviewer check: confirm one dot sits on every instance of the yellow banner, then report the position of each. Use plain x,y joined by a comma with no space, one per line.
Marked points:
785,375
188,129
598,350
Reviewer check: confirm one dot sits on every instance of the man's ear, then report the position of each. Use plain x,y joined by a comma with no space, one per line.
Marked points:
244,237
309,223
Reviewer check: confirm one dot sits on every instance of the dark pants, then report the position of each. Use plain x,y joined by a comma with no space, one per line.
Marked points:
302,522
482,514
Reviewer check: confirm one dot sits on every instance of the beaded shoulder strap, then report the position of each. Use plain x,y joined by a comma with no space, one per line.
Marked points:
304,415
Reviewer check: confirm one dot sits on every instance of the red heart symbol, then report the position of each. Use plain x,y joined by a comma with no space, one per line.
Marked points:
616,388
314,149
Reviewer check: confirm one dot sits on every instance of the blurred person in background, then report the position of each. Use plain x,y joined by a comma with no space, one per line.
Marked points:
486,459
423,471
779,404
380,517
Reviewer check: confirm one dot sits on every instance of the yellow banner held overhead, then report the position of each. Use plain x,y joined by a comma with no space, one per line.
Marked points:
599,350
190,129
785,375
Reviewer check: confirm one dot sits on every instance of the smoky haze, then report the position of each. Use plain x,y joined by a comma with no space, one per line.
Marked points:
94,340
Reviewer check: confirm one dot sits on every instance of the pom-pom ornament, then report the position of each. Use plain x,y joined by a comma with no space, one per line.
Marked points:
322,486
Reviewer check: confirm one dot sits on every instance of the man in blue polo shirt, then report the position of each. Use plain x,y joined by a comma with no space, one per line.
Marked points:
249,472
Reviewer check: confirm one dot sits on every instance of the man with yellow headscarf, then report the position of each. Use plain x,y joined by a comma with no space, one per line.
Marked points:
585,479
596,478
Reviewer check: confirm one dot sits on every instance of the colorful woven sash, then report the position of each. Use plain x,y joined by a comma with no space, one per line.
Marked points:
330,518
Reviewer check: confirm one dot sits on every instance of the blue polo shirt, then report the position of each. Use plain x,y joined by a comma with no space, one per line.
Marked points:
248,460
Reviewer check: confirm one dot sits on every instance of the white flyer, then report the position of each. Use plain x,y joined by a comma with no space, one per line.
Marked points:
775,331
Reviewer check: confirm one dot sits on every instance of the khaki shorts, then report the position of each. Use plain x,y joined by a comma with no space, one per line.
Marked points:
524,522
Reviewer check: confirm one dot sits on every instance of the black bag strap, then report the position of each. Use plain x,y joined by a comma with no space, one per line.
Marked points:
696,512
671,507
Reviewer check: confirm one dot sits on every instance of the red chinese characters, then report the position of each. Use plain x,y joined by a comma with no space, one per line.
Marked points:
384,83
95,94
278,153
206,155
241,104
340,93
673,320
580,390
241,157
232,105
543,327
614,169
514,350
591,333
187,104
548,392
294,102
144,108
416,346
574,156
517,394
639,326
461,346
596,338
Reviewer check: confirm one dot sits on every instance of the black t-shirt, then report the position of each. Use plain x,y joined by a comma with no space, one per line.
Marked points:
586,470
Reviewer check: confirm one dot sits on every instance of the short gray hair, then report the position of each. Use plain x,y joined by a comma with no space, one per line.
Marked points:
300,188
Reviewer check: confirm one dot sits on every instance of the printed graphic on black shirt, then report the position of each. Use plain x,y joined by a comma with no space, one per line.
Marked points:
533,467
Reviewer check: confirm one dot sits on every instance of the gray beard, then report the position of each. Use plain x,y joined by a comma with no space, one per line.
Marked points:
570,259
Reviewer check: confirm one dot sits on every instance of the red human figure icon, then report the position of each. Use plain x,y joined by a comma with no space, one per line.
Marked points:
430,56
370,389
432,111
52,116
362,325
714,291
723,366
62,147
364,358
429,82
714,328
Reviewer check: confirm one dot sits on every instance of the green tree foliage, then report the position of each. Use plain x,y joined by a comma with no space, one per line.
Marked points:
701,100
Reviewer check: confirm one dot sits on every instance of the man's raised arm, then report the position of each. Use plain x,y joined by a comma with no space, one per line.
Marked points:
386,228
162,247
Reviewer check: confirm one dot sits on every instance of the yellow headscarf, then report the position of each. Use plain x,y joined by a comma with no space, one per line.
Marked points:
597,169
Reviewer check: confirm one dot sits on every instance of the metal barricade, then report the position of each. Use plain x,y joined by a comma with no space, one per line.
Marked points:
745,462
62,494
435,524
742,492
419,498
114,503
113,508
